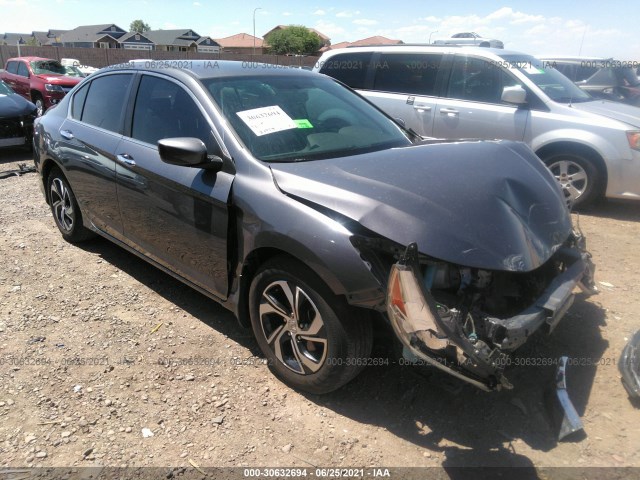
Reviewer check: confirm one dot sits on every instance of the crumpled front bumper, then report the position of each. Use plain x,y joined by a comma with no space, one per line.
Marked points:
629,366
427,334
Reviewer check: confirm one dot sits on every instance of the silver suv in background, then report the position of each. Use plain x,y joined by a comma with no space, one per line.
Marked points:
591,146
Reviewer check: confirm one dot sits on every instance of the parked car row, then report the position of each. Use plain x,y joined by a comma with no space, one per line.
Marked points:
591,146
310,213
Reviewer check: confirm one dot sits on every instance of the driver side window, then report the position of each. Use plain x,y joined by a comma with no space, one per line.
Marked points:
478,80
164,109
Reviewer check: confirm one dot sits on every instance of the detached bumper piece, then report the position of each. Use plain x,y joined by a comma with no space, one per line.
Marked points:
568,420
629,366
434,334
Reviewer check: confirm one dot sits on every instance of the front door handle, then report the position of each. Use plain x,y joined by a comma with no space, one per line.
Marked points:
67,134
422,108
126,159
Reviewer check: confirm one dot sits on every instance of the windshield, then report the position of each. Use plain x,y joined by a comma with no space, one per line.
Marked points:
41,67
303,117
557,87
71,71
5,89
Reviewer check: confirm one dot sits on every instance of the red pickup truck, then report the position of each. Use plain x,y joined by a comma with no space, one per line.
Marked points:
40,80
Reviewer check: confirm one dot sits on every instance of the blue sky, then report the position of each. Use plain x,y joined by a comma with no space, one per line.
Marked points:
602,28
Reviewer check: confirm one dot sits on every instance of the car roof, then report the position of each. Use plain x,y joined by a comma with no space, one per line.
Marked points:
210,68
419,48
571,59
31,59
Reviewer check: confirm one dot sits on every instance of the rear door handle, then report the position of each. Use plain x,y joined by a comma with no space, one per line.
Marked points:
422,108
451,112
67,134
126,159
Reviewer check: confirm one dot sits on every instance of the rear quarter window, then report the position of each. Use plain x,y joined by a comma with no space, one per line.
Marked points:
350,68
12,67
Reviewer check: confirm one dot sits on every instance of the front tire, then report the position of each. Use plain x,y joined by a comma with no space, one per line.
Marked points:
39,103
312,339
64,208
578,177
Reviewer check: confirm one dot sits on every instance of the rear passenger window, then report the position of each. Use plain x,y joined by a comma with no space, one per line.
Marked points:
12,67
105,101
23,70
349,68
164,109
410,73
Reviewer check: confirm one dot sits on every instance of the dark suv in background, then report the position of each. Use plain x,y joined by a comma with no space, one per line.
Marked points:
603,78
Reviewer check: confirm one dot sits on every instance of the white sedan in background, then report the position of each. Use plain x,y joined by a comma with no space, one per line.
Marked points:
469,38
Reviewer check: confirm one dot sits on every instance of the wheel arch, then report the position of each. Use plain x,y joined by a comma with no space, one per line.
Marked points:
252,263
48,165
578,149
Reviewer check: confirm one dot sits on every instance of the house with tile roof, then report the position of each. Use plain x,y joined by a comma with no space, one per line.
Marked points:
49,38
184,40
93,36
14,38
241,43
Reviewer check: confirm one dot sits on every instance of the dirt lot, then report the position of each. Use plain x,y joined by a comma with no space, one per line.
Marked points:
96,347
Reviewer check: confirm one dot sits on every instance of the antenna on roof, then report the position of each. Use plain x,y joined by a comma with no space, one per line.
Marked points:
582,42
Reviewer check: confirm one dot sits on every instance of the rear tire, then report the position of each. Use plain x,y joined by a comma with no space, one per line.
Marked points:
64,208
312,339
579,178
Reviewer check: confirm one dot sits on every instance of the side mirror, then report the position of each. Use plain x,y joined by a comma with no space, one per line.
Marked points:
516,95
188,152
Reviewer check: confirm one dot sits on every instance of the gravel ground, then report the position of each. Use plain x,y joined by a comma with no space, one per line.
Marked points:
106,361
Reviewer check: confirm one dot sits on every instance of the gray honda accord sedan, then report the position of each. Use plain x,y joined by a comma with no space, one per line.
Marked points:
311,215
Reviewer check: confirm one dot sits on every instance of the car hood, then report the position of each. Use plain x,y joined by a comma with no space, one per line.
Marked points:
614,110
60,79
14,106
489,204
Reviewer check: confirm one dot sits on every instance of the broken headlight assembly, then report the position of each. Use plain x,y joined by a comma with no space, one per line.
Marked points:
467,321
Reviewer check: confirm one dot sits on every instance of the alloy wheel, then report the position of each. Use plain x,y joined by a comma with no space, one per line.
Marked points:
62,205
572,178
293,327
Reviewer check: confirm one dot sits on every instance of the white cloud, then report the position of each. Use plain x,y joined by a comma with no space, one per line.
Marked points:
365,21
320,12
197,4
347,14
330,29
286,14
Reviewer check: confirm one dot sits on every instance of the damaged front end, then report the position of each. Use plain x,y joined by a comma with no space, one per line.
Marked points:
466,321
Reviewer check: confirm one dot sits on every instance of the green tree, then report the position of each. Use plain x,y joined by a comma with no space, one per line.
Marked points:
139,26
32,42
294,39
